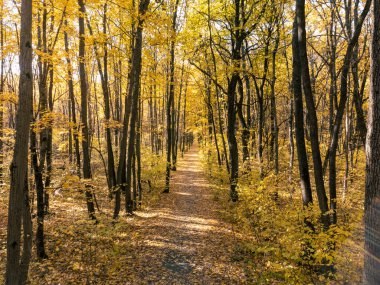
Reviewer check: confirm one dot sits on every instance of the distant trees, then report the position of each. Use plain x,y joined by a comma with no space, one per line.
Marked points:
372,189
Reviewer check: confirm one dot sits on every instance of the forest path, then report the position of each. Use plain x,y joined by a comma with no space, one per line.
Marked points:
182,240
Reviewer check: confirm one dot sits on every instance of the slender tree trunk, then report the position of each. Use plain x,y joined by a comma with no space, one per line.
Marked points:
70,135
307,198
134,90
39,162
49,129
211,121
303,166
2,61
84,101
170,102
273,115
177,122
70,84
184,122
49,145
107,113
231,98
231,136
360,120
312,115
138,154
243,122
40,243
121,171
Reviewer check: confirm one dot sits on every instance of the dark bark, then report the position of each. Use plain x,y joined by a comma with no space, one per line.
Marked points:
372,189
38,162
49,147
231,117
177,121
312,115
27,236
2,81
332,66
19,165
121,171
70,84
244,124
38,180
273,114
184,121
299,123
133,92
138,155
170,102
49,128
307,198
84,112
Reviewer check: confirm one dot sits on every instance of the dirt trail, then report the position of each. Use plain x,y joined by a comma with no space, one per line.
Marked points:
182,240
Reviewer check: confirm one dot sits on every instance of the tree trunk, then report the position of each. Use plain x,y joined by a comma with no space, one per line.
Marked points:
70,84
177,122
2,61
19,165
273,115
184,121
84,101
299,123
38,162
38,180
170,102
27,236
312,115
372,189
133,92
307,198
138,154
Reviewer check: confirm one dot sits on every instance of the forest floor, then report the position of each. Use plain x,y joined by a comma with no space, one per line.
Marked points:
179,240
184,240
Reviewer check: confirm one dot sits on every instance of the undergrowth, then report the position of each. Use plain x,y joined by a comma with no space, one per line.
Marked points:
270,215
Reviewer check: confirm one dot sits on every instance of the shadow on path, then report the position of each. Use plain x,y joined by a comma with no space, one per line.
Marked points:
182,240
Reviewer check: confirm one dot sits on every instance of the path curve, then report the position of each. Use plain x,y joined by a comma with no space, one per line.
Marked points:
183,241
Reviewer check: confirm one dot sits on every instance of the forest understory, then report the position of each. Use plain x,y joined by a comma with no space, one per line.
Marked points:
194,235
